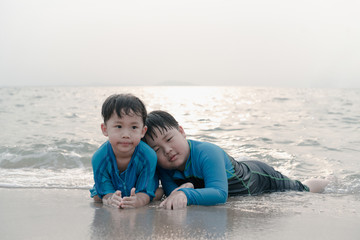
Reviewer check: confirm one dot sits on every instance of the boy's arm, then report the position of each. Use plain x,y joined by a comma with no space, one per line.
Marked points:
103,184
212,166
101,162
147,181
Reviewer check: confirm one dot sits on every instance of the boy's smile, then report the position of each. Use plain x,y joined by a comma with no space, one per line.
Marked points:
125,144
172,158
171,147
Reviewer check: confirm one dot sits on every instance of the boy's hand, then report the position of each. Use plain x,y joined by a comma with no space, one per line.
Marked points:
135,200
114,200
129,202
185,185
176,200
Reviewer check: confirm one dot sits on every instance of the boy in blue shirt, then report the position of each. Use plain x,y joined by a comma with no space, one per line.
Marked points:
202,173
124,166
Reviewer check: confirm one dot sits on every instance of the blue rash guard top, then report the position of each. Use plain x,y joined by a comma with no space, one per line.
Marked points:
140,172
215,176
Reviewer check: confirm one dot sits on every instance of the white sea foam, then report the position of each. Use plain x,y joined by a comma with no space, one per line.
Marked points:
46,178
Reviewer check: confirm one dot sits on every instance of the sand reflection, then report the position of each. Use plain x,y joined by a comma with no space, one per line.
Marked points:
152,222
251,217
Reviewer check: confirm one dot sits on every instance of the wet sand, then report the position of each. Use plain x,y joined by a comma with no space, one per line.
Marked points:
71,214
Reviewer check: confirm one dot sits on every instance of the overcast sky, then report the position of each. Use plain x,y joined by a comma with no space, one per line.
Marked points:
280,43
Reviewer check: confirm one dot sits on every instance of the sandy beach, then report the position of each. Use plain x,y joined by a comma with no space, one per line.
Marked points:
71,214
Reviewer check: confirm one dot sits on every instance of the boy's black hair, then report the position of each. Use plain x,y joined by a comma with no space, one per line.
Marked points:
123,104
161,121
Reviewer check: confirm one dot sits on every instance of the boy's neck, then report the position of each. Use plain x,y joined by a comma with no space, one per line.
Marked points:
123,162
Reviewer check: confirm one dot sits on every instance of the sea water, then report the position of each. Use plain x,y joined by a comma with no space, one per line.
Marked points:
48,134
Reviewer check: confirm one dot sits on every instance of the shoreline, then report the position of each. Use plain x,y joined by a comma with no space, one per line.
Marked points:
71,214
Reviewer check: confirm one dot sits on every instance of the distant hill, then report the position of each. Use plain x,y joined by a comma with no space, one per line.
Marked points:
175,83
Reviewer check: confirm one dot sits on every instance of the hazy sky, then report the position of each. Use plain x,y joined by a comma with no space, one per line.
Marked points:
313,43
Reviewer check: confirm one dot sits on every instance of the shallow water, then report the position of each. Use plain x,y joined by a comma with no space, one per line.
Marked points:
266,217
70,214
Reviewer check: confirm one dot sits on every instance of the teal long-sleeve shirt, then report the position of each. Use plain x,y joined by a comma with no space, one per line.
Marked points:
216,175
208,168
140,173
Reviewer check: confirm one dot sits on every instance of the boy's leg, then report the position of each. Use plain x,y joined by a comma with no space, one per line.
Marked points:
158,194
264,178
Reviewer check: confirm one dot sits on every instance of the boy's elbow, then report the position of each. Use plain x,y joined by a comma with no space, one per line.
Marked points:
223,196
97,199
223,200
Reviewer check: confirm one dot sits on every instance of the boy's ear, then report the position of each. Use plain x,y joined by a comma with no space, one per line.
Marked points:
104,129
182,131
143,131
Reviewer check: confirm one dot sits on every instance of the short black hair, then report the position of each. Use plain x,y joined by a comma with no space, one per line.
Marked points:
123,104
161,121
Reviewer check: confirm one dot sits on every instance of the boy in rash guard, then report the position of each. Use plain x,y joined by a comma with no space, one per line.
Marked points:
124,166
201,173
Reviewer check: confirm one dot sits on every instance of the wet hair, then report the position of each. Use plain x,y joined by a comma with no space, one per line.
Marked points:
160,120
123,104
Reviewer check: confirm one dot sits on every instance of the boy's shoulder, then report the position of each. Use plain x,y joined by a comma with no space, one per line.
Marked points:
202,146
204,150
102,150
101,154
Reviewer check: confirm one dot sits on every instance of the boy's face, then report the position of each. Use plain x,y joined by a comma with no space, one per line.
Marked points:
124,133
171,148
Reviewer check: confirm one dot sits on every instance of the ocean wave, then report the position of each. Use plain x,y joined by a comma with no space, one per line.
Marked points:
46,178
308,142
349,184
350,120
280,99
59,154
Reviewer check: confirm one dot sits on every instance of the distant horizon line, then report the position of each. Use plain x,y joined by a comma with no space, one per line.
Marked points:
173,85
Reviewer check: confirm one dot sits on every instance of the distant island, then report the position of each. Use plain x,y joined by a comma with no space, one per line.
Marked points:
175,83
